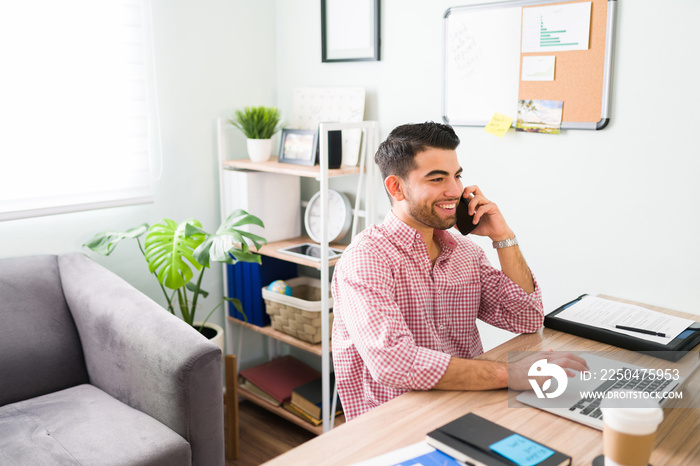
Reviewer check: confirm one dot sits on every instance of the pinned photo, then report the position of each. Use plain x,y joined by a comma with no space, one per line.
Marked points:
539,116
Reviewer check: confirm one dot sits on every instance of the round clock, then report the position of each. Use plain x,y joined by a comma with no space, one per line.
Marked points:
339,216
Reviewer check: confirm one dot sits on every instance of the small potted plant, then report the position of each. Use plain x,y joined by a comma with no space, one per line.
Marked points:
258,124
174,252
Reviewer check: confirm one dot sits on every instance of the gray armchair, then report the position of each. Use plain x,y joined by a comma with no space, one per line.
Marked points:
93,372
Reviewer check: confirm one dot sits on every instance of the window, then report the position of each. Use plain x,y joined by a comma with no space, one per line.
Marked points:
75,132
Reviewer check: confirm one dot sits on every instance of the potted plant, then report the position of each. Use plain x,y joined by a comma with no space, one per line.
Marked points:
258,124
175,252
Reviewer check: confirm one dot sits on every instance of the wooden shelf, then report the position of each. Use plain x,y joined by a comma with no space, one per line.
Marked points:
271,250
280,411
283,337
273,166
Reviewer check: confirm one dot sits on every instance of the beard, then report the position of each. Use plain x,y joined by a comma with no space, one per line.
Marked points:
427,215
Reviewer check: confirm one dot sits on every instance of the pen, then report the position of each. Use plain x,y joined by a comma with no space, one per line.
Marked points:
641,330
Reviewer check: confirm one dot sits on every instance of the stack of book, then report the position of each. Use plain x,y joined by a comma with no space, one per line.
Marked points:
289,383
306,401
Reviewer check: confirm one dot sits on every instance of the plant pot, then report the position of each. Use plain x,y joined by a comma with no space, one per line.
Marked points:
215,334
259,150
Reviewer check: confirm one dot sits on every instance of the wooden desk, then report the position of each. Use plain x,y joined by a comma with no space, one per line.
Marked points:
408,418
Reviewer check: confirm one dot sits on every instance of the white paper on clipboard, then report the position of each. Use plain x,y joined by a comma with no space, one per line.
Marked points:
605,313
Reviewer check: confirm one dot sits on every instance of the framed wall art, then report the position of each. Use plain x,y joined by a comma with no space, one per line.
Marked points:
349,30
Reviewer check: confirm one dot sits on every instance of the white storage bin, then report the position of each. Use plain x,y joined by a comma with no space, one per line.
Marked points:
271,197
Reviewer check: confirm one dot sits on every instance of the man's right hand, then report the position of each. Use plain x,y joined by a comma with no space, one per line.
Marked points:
518,371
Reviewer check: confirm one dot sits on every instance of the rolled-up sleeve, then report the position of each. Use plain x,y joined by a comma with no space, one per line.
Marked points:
506,305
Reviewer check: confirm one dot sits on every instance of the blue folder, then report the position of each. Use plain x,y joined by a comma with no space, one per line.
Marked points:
245,283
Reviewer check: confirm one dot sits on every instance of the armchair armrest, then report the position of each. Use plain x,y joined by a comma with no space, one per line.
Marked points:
145,357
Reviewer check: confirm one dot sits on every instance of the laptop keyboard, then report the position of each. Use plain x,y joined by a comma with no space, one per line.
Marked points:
591,406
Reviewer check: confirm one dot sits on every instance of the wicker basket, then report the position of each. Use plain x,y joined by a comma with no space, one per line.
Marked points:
298,315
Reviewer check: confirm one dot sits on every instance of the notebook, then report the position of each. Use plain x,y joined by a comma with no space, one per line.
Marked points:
477,441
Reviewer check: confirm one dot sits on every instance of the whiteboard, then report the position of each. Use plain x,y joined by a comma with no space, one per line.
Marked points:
482,63
482,56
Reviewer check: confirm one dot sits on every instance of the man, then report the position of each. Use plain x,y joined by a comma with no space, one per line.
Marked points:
407,293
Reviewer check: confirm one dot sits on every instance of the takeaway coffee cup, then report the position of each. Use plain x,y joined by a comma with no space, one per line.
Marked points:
629,428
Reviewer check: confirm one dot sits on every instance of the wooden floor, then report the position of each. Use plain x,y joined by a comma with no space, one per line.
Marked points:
264,435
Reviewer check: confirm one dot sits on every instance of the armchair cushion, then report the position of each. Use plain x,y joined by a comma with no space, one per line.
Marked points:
83,425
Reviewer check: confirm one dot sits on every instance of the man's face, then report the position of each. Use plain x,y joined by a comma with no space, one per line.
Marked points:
433,189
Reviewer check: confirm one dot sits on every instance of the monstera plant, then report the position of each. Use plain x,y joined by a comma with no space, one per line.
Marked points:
178,254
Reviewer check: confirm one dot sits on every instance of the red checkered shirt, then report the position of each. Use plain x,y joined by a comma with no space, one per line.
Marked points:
399,319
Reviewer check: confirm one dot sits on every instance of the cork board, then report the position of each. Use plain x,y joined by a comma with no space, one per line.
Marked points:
483,66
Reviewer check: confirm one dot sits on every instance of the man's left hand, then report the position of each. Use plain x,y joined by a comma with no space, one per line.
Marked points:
487,214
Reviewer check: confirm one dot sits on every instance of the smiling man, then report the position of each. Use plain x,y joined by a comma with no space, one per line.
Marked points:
407,293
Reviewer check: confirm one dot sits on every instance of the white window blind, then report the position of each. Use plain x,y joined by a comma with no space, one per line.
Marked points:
74,107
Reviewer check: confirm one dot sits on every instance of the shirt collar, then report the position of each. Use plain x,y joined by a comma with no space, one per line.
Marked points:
448,241
405,235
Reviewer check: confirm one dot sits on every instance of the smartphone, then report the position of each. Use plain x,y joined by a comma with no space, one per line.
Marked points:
464,221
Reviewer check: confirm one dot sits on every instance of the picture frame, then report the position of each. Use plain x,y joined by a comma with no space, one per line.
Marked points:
350,30
298,146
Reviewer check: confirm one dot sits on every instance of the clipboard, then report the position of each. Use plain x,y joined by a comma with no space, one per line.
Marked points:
673,351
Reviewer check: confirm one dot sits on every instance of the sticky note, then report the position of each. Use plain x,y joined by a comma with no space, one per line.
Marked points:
499,124
521,451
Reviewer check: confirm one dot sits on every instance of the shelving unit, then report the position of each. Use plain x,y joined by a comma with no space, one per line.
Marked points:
364,195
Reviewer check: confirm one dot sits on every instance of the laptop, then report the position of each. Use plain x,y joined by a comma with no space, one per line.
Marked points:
605,375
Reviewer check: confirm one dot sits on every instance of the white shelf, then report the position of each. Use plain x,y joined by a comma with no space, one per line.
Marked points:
271,250
273,166
283,337
364,192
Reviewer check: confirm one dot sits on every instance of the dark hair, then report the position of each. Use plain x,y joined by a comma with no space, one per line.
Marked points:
396,155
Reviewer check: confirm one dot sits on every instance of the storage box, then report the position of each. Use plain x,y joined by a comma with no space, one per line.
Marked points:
298,315
272,197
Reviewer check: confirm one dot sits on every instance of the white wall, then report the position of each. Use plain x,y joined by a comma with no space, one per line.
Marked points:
613,211
600,212
212,57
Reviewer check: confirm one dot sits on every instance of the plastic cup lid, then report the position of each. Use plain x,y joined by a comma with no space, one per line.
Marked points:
631,409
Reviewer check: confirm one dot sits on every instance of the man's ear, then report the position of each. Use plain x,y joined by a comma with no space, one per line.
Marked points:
395,187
